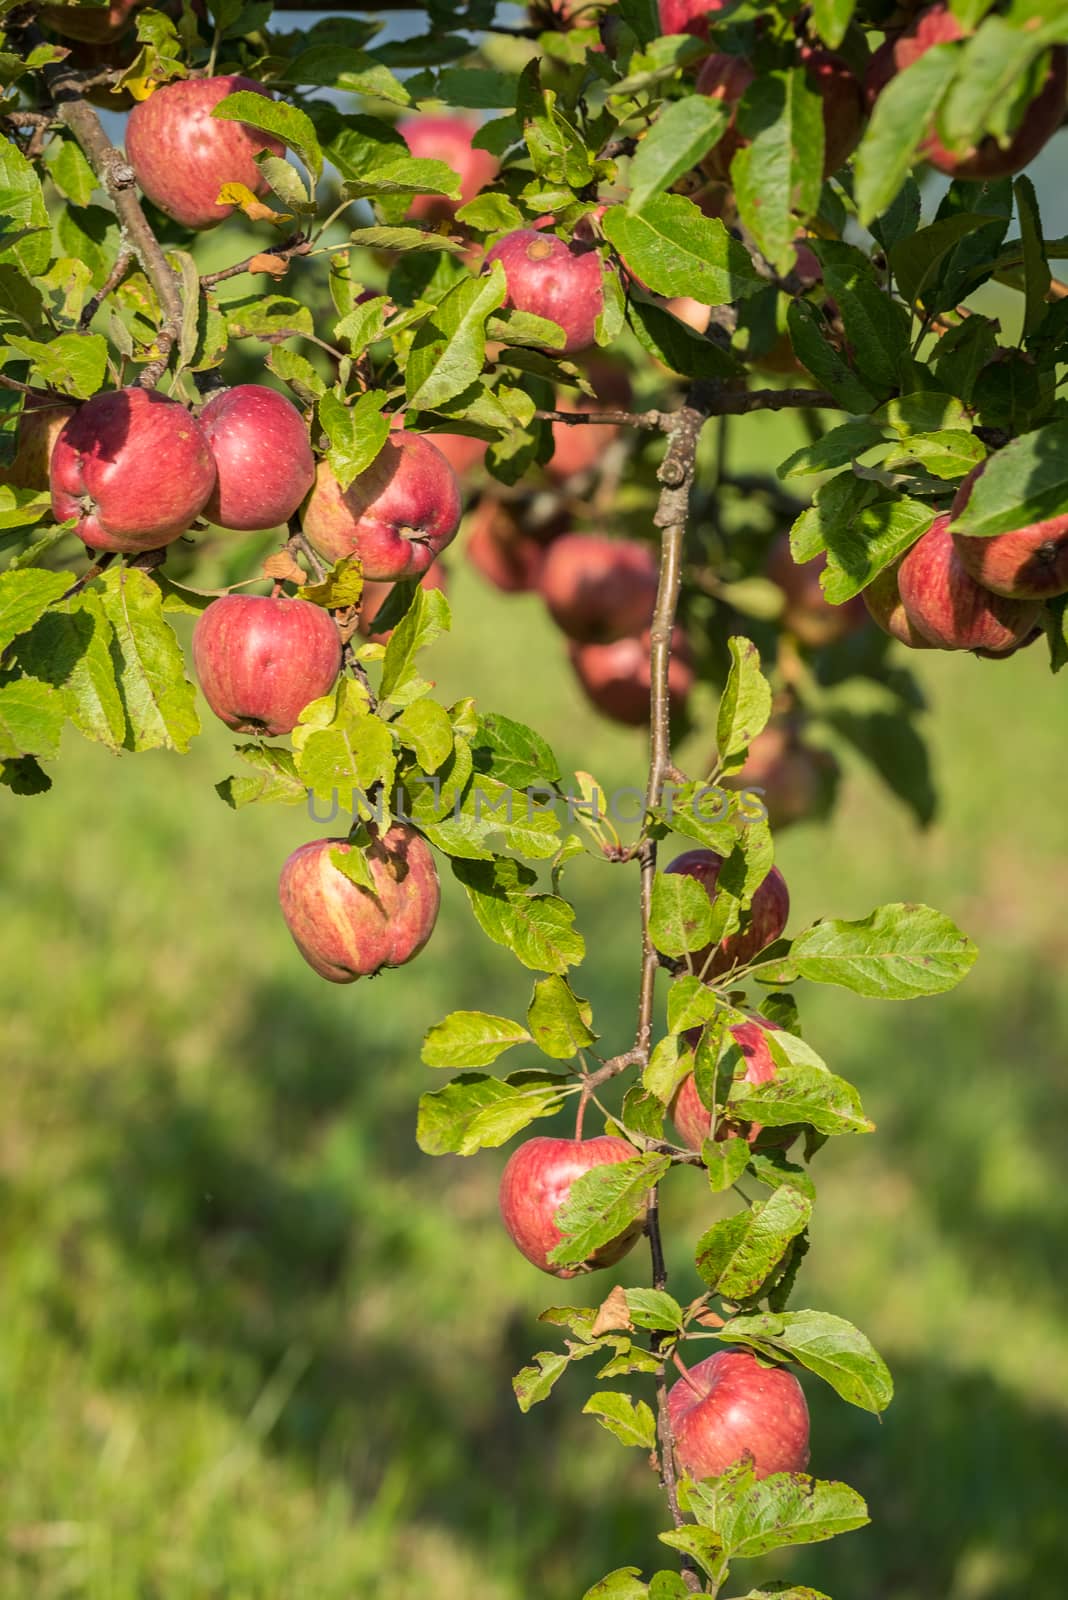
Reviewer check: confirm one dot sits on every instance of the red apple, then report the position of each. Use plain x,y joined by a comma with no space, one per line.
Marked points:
693,1118
553,279
463,452
807,613
346,932
760,926
689,16
134,468
943,600
616,676
989,159
883,600
448,139
183,156
396,516
374,595
261,660
262,456
727,77
598,588
797,780
1028,563
578,447
39,426
501,550
535,1184
730,1408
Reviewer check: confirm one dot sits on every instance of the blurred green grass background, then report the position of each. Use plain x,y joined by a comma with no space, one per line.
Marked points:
254,1345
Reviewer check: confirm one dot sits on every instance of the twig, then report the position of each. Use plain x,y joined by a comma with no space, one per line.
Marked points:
295,246
650,421
117,177
110,284
89,574
298,544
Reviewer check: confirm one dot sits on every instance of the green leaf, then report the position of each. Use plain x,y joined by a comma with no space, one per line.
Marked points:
902,115
1037,275
802,1091
681,133
791,1591
653,1308
537,928
828,1346
286,122
860,538
744,706
632,1422
558,1020
702,1546
752,1518
71,172
725,1160
341,588
491,213
1024,483
534,1384
777,175
449,350
471,1039
23,216
341,745
405,239
273,777
832,19
406,175
669,1063
425,620
159,700
602,1204
771,1168
623,1584
681,915
836,448
915,261
474,1112
513,753
819,354
73,362
895,953
25,597
676,250
690,1003
356,433
71,648
950,453
736,1256
425,728
31,719
675,344
273,316
876,325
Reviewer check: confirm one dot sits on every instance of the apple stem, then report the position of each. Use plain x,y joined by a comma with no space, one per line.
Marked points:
684,1369
584,1100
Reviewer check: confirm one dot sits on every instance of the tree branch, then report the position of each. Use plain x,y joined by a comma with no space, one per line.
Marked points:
117,177
297,245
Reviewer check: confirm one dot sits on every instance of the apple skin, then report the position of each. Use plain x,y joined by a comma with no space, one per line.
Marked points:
886,609
727,77
462,451
345,932
797,779
263,457
807,614
616,678
553,279
39,426
694,1120
501,551
597,588
448,139
396,516
374,596
730,1408
261,660
689,16
578,447
1025,564
182,155
536,1182
761,925
943,600
938,25
134,468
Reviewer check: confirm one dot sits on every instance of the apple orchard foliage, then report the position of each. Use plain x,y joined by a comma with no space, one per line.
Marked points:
654,154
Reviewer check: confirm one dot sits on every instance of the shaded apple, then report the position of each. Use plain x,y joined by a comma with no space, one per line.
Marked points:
553,279
500,550
730,1408
448,139
989,159
616,676
760,926
689,16
578,447
182,155
263,458
91,24
133,468
727,77
598,588
396,516
261,660
462,451
943,600
694,1120
374,596
885,606
1029,563
807,613
797,780
39,426
346,932
536,1182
